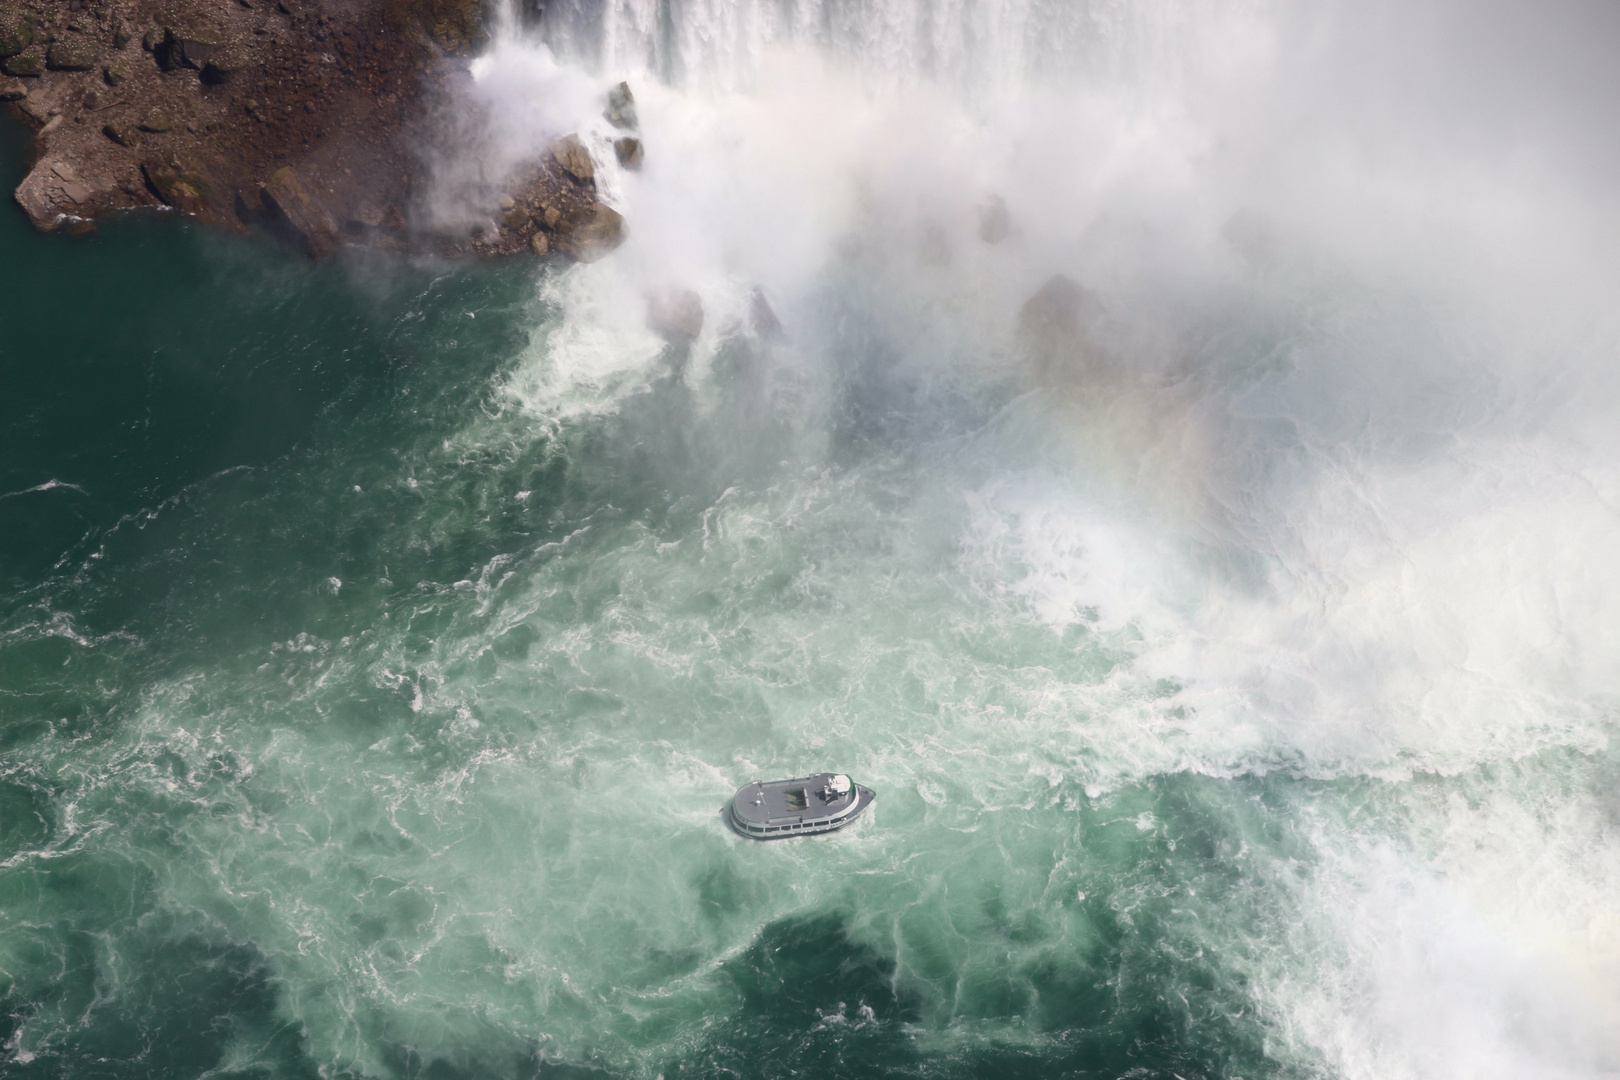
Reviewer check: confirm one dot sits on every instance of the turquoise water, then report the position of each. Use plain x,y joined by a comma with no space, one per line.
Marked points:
379,643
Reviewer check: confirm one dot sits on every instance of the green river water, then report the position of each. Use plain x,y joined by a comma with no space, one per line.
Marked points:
378,648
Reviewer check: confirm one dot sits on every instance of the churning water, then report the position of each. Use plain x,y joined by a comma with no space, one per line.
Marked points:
1230,635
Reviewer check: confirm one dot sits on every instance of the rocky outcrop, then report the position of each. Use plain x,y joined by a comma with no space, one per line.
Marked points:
55,189
307,117
554,209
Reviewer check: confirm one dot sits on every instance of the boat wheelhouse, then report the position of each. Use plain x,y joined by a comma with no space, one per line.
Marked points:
776,809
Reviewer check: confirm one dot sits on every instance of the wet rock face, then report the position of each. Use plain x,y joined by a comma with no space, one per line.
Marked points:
621,108
571,155
592,234
554,209
628,151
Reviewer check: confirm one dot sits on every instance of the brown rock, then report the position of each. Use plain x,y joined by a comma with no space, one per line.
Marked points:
37,196
629,152
307,219
456,25
13,89
39,107
180,186
185,48
574,158
115,72
539,244
157,121
28,65
590,235
222,69
97,100
15,36
70,56
250,205
121,132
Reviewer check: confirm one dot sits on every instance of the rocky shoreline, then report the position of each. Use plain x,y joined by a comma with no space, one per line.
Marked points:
315,120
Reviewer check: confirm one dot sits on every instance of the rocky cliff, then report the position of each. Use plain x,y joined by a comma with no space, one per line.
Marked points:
312,118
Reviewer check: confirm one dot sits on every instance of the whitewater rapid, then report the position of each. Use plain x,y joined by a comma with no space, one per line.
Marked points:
1234,667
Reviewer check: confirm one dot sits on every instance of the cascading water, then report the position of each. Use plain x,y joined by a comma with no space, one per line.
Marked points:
1227,630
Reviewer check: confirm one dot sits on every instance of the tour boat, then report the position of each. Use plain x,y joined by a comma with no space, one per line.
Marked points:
775,809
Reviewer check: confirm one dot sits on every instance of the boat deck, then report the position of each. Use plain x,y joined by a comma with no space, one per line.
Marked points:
769,809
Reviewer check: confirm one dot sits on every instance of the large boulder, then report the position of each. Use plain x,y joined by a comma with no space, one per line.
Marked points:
53,192
589,235
15,36
621,107
456,25
186,48
629,152
121,132
574,159
70,56
285,194
181,185
157,122
28,65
